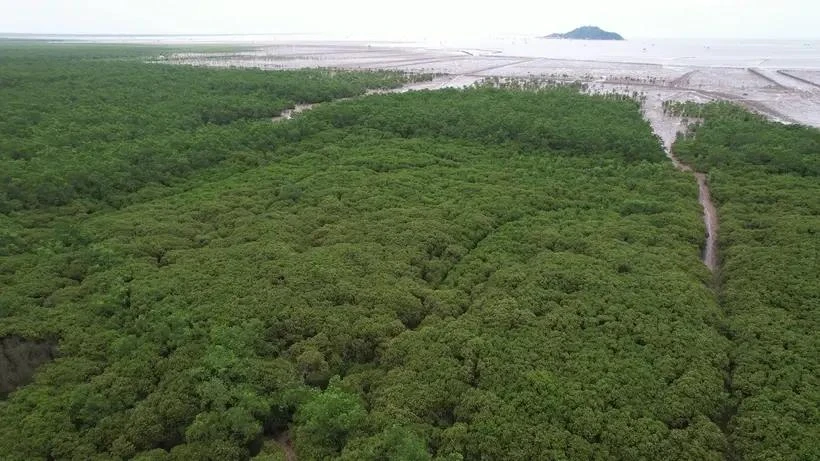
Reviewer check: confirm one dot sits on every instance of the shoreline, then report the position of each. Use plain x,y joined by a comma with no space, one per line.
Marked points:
789,94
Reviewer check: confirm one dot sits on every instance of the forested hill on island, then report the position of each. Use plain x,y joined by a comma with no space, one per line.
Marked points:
587,33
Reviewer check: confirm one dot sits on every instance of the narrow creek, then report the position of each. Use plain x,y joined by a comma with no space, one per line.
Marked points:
435,84
667,128
710,218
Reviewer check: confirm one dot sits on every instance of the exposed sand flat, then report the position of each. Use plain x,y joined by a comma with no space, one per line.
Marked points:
789,94
589,71
806,83
717,78
767,76
808,75
785,80
462,65
798,108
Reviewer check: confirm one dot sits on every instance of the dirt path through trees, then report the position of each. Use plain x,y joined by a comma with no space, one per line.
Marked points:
286,445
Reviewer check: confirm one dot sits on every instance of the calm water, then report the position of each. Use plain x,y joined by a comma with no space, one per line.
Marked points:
779,54
699,52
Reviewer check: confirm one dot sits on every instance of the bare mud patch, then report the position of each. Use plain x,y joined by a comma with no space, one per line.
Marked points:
19,360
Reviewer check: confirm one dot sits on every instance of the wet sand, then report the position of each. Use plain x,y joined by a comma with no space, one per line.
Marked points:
789,95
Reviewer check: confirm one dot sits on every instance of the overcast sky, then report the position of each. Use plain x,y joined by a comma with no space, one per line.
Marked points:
788,19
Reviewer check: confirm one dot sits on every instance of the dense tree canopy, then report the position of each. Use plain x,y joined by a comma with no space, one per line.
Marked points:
764,177
451,275
75,127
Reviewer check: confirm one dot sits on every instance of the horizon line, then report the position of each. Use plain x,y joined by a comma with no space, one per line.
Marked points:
374,37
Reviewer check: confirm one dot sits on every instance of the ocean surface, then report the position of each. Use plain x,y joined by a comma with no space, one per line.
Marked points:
773,54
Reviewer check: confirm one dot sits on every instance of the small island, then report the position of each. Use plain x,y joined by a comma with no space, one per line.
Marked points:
587,33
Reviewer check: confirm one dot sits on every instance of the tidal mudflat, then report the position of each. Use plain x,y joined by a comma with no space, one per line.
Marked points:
784,88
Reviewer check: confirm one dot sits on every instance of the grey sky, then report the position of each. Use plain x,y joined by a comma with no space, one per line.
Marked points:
788,19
